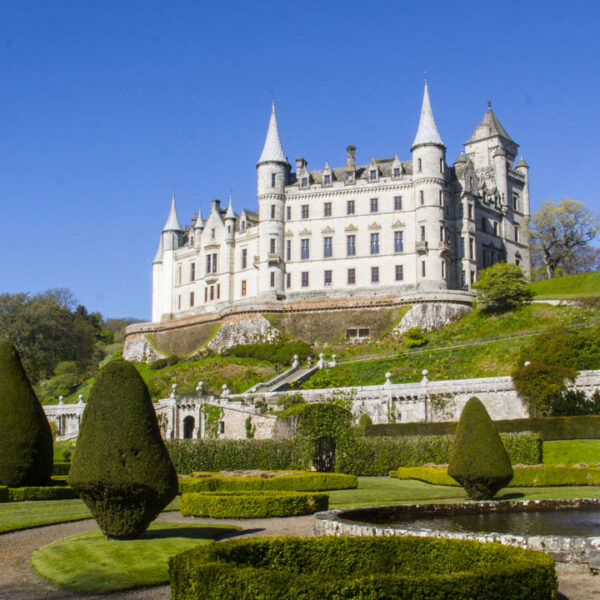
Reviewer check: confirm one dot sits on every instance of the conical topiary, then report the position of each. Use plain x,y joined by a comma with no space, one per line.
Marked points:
479,461
25,438
121,468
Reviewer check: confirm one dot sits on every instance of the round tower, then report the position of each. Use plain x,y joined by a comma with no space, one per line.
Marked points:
272,176
429,172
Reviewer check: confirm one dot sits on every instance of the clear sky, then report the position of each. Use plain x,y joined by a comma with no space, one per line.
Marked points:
106,106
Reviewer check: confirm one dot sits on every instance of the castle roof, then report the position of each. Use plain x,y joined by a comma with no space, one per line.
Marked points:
272,150
490,126
230,214
427,132
173,223
385,166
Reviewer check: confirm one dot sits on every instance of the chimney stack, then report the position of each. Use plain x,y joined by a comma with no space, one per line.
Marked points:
351,157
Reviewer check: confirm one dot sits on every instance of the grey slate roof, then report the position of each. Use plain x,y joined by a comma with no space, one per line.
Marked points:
490,126
384,165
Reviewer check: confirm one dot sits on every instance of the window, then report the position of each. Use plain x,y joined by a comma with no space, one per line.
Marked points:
399,273
495,227
441,165
326,179
212,233
192,271
179,274
305,211
212,292
419,165
351,245
327,277
373,174
441,198
288,280
214,263
515,202
470,211
327,247
218,290
472,277
288,250
471,248
272,211
273,179
350,207
516,233
441,234
422,197
422,268
272,279
396,171
208,263
304,278
305,249
462,279
398,203
462,247
304,182
244,287
221,426
327,209
398,241
273,244
351,276
443,270
244,258
483,227
422,228
374,243
205,294
374,274
191,299
178,302
374,205
288,212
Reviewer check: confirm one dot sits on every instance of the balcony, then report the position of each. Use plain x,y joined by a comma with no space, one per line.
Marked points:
421,247
273,259
444,247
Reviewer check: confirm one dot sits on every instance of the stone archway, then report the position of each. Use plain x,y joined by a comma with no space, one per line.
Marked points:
188,427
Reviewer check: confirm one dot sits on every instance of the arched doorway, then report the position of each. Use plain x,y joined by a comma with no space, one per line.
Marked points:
188,427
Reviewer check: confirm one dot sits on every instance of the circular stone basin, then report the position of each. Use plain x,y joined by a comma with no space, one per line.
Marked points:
569,530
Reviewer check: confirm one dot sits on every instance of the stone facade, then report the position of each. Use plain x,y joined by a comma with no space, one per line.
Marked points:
389,227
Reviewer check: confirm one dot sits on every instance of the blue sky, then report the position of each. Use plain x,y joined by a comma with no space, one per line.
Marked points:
105,106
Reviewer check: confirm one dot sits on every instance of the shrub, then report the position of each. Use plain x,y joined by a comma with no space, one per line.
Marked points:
575,403
252,505
172,359
121,468
3,493
377,568
281,353
479,461
364,422
159,363
61,468
501,287
306,482
48,492
414,337
26,447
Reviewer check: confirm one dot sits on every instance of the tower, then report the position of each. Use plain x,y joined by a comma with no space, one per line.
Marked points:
429,171
272,176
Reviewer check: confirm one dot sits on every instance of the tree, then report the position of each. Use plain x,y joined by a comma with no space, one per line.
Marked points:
501,287
121,468
25,436
561,230
479,462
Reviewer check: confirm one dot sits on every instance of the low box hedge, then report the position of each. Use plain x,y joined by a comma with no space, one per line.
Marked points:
543,476
3,493
48,492
252,505
61,468
306,482
551,428
374,568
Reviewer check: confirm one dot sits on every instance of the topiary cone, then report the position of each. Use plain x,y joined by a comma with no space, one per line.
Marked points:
121,468
479,462
26,448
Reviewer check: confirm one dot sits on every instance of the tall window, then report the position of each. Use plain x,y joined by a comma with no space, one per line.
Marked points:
327,278
516,233
470,211
419,165
515,202
422,197
373,174
471,248
399,272
288,212
273,244
374,243
422,228
244,258
244,287
272,279
351,245
179,274
396,172
495,227
462,248
374,205
305,211
191,299
304,182
374,274
350,207
398,203
288,280
351,276
422,268
288,249
179,302
327,247
273,179
305,249
398,241
214,262
327,209
208,263
304,278
326,179
441,198
443,269
441,165
192,271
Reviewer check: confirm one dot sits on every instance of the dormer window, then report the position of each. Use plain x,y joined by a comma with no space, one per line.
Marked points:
304,182
396,172
372,174
326,179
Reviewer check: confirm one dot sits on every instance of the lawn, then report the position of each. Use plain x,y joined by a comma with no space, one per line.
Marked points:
583,285
88,563
571,452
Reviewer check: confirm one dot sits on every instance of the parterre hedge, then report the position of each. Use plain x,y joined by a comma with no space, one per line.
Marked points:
306,482
61,468
546,476
551,428
373,568
252,505
48,492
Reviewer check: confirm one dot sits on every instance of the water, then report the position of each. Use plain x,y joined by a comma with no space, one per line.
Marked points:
580,522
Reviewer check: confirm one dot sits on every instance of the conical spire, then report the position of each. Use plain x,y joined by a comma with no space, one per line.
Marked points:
199,222
490,126
427,132
230,214
173,223
272,151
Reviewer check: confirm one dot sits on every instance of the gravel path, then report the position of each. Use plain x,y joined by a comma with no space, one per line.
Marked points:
19,582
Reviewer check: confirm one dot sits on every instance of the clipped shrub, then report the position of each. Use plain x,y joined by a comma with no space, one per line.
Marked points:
306,482
26,447
47,492
159,363
121,468
281,352
479,461
252,505
377,568
172,359
61,468
364,422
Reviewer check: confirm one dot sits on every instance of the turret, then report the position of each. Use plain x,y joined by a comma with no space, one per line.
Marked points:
198,227
172,230
500,169
272,176
429,167
523,169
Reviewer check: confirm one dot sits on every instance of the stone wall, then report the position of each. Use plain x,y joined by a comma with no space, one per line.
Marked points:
243,329
430,316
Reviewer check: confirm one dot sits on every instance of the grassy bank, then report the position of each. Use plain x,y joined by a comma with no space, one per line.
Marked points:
584,285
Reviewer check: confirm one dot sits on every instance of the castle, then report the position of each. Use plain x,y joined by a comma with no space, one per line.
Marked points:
390,227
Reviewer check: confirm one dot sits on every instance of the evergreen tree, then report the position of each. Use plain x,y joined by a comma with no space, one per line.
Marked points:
121,468
479,461
25,437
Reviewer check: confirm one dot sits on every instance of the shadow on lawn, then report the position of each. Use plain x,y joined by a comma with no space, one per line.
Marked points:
197,533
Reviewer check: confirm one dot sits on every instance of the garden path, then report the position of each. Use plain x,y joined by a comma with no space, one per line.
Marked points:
19,582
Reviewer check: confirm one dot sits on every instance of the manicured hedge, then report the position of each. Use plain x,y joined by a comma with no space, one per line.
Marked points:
546,476
551,428
281,352
252,505
307,482
373,568
49,492
3,493
61,468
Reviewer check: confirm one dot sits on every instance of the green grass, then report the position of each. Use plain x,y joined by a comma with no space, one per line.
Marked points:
571,452
88,563
584,285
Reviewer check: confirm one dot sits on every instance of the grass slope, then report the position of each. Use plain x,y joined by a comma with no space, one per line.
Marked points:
584,285
88,563
571,452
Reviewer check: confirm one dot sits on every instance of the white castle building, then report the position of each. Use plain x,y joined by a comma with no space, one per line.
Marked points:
389,227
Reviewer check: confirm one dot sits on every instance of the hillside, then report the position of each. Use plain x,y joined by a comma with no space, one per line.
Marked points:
584,285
